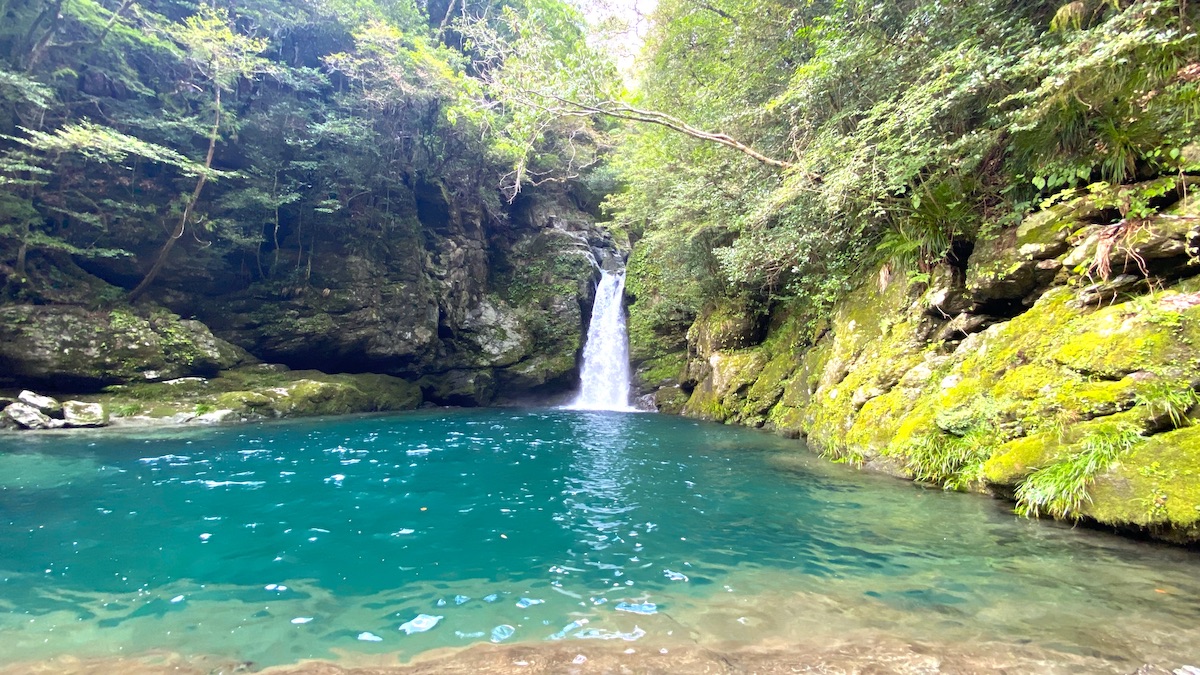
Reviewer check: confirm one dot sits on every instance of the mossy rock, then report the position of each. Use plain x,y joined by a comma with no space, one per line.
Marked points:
655,373
73,348
670,400
1156,486
721,396
259,391
1115,341
726,324
1018,458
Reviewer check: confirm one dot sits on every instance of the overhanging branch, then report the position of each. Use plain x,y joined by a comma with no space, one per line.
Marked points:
627,112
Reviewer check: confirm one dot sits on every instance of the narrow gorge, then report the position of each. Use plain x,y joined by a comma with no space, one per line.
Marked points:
360,337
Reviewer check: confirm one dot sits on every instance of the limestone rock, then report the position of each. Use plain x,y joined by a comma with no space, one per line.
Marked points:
29,417
81,414
44,404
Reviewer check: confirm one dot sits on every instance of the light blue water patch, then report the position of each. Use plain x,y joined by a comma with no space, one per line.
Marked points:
279,542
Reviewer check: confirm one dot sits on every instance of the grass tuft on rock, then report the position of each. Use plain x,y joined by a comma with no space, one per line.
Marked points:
1061,489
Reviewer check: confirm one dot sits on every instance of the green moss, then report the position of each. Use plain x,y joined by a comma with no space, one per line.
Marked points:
670,400
1062,487
725,324
244,401
1013,461
722,395
1053,404
265,392
1156,485
876,424
664,370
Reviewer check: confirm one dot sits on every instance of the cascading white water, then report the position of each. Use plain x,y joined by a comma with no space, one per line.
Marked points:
604,377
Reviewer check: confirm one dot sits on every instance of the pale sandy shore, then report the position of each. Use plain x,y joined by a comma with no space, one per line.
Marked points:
879,657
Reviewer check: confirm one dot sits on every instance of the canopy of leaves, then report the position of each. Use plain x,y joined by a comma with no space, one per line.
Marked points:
909,124
326,112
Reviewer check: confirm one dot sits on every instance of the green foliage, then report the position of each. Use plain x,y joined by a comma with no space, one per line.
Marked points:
98,143
1164,398
535,63
1061,488
19,87
322,116
911,125
952,461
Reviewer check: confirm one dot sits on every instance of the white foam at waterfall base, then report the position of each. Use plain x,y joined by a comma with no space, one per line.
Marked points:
604,376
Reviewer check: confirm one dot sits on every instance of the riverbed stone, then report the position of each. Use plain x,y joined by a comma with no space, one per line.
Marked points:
83,414
28,417
44,404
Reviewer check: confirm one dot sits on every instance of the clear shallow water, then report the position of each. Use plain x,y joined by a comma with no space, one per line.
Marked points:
180,541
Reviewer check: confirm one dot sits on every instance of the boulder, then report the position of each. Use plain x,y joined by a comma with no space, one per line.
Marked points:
44,404
29,417
1017,263
75,348
81,414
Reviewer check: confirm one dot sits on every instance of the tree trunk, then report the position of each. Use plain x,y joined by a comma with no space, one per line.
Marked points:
19,268
181,226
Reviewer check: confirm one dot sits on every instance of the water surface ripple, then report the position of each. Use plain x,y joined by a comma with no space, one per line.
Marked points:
280,542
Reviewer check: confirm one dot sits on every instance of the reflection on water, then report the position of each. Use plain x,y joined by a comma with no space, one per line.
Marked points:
554,534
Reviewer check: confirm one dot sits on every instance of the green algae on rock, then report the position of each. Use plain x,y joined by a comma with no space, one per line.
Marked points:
257,392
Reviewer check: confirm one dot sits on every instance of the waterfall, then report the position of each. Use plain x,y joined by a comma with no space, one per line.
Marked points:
604,377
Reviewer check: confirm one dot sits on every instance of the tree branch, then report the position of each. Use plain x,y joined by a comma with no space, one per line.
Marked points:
627,112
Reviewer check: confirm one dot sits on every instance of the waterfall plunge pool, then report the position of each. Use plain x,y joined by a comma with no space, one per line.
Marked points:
601,541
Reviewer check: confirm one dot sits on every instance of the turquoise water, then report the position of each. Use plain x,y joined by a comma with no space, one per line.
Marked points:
279,542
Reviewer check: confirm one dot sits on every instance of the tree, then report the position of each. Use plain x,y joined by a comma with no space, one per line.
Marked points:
545,81
219,58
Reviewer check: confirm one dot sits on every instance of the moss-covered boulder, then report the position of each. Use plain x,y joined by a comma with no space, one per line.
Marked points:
69,348
260,391
1156,487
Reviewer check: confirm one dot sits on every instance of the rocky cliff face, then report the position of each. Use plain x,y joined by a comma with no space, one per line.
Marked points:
1019,372
466,300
